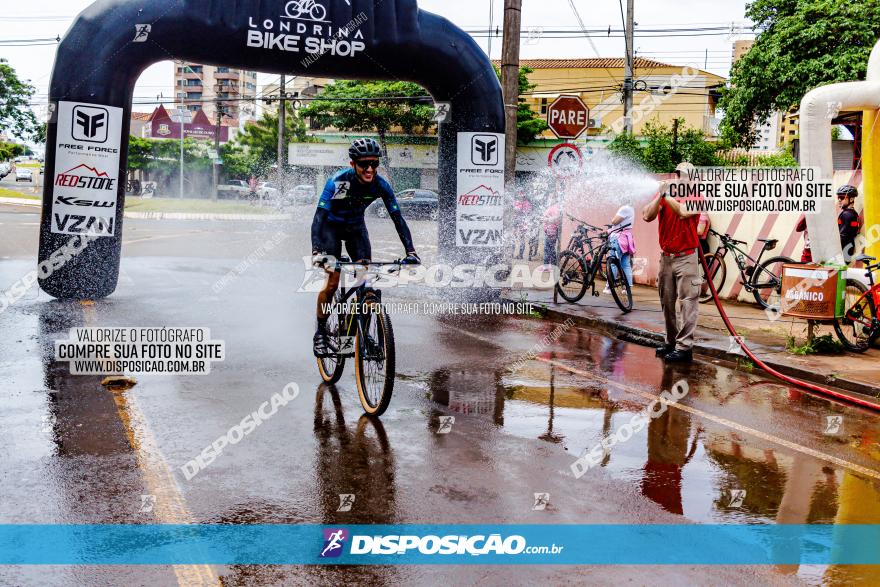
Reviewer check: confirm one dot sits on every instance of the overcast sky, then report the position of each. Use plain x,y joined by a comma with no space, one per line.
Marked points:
37,19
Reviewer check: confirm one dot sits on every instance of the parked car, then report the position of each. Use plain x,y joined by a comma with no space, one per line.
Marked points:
266,190
24,174
414,204
5,169
301,195
235,189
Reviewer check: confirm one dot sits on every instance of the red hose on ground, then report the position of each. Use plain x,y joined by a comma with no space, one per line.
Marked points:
802,384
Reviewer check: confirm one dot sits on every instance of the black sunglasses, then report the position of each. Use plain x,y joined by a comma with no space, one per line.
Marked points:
365,164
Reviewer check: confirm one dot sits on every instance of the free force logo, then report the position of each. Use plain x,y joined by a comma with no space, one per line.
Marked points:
484,150
334,541
90,124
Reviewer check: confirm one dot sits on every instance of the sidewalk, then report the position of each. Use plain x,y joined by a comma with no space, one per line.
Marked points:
849,372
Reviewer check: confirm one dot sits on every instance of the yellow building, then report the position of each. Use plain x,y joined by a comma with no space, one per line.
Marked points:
662,92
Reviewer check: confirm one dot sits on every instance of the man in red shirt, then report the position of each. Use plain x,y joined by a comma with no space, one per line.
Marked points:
679,280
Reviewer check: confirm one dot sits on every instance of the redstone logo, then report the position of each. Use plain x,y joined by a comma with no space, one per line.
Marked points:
88,178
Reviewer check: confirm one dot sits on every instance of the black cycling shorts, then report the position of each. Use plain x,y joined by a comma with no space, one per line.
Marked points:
356,238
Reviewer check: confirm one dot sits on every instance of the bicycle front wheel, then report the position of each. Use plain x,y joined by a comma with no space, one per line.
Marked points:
331,367
617,282
718,273
766,282
855,327
374,359
572,284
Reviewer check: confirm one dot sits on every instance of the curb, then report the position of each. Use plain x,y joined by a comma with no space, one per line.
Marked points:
166,215
22,202
645,337
205,216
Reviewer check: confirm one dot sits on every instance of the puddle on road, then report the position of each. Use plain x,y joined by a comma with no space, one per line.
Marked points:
688,465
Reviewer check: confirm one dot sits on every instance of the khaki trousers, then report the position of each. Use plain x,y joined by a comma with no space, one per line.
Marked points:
679,284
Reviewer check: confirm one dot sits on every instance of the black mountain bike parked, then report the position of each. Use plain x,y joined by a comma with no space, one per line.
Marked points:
584,260
359,328
762,280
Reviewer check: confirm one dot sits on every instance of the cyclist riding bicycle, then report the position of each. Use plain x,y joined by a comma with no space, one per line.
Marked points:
340,218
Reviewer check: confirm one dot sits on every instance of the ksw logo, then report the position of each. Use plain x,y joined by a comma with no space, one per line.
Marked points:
76,224
90,124
93,180
480,236
342,188
479,218
484,150
71,201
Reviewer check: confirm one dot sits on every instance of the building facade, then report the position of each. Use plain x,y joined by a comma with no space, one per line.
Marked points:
205,87
662,92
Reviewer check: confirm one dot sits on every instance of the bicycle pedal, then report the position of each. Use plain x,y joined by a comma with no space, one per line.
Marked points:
596,294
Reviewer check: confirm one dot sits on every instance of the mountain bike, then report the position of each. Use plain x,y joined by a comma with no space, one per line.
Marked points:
359,328
859,327
583,261
762,280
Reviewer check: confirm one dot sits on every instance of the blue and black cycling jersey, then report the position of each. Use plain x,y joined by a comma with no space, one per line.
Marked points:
341,210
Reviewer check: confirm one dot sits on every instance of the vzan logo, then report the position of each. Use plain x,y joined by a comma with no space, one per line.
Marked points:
90,124
484,150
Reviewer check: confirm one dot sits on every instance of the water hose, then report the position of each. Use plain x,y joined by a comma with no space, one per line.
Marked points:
770,370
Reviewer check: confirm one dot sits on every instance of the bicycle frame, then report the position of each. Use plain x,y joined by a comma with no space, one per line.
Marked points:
598,255
352,322
740,257
872,296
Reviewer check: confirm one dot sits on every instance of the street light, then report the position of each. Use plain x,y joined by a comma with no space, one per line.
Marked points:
182,116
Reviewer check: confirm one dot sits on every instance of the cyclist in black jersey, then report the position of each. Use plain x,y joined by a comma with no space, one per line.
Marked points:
340,218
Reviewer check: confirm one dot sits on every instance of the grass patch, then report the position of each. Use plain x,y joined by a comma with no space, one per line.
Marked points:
195,206
5,193
825,344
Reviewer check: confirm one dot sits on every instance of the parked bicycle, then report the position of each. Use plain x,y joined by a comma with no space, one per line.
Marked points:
584,260
359,328
859,327
762,279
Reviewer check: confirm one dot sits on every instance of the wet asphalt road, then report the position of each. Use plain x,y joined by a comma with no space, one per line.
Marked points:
73,452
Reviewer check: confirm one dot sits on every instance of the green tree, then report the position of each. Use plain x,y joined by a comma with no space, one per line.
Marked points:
372,106
15,95
529,124
802,44
627,146
657,153
261,140
10,151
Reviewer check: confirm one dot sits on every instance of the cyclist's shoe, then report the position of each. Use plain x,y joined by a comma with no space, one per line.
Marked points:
411,259
664,350
322,345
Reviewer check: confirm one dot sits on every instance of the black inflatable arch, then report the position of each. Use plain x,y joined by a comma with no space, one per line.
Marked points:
108,47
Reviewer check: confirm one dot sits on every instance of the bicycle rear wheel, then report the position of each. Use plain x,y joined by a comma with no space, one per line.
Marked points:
331,367
855,327
374,358
572,284
766,282
718,272
617,282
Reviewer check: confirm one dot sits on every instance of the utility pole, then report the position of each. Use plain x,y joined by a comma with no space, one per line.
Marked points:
510,84
628,73
282,123
675,157
216,178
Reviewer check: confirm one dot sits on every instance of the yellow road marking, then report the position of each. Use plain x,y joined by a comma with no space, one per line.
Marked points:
170,506
697,412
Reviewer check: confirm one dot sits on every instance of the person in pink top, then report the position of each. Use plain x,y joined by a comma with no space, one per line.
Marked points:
552,228
623,244
522,211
